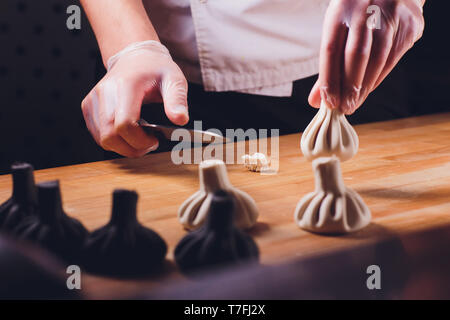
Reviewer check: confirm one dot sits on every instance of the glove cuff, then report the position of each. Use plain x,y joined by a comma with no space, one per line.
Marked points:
151,45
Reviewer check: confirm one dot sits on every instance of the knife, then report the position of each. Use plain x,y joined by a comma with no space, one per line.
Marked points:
194,135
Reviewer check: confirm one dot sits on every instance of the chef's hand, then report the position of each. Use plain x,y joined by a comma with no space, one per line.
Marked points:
362,41
141,73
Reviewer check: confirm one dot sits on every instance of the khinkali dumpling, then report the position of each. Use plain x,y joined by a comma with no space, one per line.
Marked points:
329,133
23,201
332,208
213,177
218,242
124,247
51,228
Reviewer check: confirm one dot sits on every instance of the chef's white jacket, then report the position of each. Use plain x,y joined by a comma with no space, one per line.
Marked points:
253,46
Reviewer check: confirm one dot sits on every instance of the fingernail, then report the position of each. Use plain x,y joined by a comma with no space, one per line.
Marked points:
180,109
153,147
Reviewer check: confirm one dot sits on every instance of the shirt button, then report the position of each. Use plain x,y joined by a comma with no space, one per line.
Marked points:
203,1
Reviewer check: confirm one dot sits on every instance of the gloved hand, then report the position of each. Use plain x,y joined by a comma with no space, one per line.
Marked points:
362,41
141,73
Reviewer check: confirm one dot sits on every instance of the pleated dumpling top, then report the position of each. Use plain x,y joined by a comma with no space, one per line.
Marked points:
328,134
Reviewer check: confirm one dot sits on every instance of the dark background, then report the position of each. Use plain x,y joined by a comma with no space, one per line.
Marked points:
46,70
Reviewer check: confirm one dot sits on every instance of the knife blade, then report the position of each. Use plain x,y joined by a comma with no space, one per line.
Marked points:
194,135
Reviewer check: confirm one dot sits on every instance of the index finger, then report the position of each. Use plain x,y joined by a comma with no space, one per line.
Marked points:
128,101
334,36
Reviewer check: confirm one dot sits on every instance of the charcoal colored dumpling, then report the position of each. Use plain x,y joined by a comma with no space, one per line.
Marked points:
51,227
218,242
23,201
124,247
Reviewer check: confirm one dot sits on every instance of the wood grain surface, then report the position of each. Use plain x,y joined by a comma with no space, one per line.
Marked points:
402,171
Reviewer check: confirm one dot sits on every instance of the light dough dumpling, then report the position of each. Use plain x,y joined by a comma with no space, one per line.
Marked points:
213,177
329,133
332,208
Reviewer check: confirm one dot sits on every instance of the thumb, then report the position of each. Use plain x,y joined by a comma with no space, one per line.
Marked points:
174,90
314,96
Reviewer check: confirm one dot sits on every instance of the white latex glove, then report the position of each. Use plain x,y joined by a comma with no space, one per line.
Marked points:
358,50
141,73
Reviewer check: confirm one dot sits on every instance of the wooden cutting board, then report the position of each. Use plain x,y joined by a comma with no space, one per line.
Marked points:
402,171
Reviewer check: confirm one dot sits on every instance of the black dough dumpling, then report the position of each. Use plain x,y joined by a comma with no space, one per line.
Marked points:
51,228
218,243
23,201
27,272
124,247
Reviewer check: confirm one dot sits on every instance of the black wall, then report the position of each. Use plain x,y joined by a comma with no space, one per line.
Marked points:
45,71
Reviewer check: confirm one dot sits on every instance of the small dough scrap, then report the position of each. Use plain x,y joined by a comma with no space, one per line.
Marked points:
213,177
328,134
332,208
256,162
